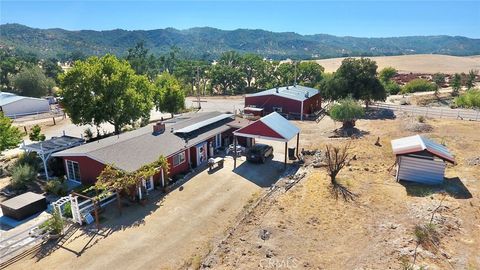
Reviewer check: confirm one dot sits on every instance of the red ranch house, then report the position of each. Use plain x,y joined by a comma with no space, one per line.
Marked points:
187,142
297,101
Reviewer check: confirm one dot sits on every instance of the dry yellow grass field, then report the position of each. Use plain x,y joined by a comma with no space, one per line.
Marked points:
311,230
419,63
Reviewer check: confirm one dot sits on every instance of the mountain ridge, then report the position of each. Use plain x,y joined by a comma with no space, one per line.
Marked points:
209,42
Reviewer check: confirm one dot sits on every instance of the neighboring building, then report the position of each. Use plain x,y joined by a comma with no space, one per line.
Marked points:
15,106
421,160
296,101
187,142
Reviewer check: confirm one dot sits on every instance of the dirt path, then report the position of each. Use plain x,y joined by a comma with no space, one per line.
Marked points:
164,234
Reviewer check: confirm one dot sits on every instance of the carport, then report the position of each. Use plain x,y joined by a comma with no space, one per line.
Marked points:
271,127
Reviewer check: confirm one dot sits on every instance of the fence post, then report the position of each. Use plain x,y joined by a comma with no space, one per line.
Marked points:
441,113
476,118
426,112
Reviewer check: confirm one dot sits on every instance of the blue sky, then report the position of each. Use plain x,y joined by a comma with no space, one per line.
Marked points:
343,18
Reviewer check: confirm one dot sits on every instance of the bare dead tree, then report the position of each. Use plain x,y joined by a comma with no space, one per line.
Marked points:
337,159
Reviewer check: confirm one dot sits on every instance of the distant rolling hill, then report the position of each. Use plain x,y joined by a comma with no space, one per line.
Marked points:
208,43
420,63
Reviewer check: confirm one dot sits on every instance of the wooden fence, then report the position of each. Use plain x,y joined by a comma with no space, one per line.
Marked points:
431,112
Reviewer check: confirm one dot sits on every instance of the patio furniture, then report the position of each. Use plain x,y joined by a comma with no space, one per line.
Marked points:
218,162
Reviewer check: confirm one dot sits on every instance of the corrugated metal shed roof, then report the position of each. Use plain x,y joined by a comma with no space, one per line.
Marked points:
296,92
6,98
419,143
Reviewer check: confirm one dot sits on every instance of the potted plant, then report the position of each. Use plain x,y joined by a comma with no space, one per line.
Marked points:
54,225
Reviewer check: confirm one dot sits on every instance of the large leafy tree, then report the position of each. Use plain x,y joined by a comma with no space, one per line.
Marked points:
309,73
266,76
106,90
226,79
142,62
356,78
285,74
251,65
10,136
32,82
169,95
51,68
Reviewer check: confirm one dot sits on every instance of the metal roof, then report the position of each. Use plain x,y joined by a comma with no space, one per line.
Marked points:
274,122
54,144
203,123
6,98
295,92
417,143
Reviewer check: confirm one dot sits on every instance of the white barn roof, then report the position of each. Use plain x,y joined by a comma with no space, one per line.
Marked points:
296,92
419,143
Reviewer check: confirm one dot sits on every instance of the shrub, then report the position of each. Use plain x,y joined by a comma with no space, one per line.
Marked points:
346,111
67,208
471,99
35,134
28,159
419,85
421,119
57,187
22,175
392,87
55,224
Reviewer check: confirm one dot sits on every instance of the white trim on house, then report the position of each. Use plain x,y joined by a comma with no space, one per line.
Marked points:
73,168
182,160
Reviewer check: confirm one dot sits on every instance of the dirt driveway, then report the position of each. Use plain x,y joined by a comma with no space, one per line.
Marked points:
166,233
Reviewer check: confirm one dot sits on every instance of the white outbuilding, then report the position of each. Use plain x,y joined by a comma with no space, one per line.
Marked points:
421,160
15,106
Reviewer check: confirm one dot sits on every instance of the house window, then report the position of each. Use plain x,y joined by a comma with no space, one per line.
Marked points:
277,109
178,159
73,170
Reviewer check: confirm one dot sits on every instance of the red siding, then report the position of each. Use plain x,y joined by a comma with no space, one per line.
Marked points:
180,168
312,104
259,128
270,101
89,169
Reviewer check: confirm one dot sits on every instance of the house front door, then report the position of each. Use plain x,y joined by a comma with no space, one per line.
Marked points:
201,153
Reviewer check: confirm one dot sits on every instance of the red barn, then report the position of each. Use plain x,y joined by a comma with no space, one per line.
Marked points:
296,101
187,142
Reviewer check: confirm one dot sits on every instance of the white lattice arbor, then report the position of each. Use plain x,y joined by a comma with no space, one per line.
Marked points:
46,148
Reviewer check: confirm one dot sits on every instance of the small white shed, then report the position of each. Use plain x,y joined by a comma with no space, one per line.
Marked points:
421,160
15,106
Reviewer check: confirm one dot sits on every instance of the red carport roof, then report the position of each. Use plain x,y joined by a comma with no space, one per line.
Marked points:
270,127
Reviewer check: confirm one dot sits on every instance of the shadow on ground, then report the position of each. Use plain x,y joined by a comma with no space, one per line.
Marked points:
262,175
451,186
379,114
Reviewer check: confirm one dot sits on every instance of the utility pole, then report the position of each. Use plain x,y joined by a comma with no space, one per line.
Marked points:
198,87
295,74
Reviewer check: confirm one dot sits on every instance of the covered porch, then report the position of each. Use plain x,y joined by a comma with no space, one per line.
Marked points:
271,127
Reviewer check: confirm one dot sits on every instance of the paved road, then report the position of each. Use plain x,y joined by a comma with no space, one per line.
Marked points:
220,103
